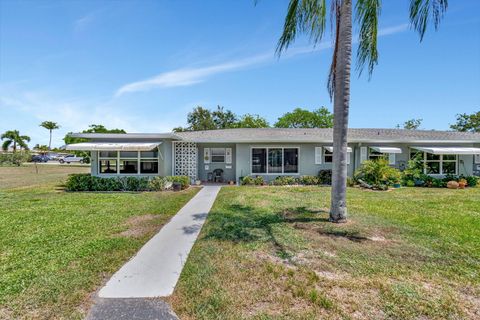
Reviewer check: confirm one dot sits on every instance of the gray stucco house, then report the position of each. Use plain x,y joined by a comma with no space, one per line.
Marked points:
272,152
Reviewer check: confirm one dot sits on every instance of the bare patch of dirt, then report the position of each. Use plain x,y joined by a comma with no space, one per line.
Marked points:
138,226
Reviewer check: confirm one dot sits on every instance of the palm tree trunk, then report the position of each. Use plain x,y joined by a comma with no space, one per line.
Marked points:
50,142
341,101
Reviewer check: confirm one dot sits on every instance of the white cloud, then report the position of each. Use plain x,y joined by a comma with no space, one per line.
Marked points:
190,76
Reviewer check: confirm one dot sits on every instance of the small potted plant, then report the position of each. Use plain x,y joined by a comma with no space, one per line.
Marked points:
462,183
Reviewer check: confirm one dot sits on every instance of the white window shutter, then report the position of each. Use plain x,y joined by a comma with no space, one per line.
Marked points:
477,158
391,158
228,155
363,154
318,155
206,155
349,154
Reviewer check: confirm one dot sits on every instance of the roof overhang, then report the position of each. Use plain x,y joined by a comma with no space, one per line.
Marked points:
117,146
125,136
387,149
448,150
331,149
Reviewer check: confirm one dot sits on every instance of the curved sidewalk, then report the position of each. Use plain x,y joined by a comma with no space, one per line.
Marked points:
155,269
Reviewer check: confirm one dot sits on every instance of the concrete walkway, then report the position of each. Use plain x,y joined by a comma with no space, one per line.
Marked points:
155,269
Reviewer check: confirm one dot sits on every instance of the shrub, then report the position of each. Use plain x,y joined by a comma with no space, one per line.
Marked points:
259,181
325,177
284,181
14,159
157,184
378,174
413,172
472,181
87,182
183,180
308,180
247,181
350,182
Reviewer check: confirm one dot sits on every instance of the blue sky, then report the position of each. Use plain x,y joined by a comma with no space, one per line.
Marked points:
143,65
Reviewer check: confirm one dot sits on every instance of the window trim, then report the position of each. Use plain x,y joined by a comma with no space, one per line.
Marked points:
283,164
440,161
329,155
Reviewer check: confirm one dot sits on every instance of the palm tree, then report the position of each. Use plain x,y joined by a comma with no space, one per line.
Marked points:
50,126
310,17
14,137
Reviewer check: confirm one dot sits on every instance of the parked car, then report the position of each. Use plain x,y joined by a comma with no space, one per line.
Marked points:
71,158
40,158
55,156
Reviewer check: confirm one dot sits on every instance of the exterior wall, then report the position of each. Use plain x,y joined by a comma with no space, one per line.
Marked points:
229,172
306,160
241,158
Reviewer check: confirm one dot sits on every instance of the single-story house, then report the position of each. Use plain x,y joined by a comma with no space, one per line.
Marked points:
272,152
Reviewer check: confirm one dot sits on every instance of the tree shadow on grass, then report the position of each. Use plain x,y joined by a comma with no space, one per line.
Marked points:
248,224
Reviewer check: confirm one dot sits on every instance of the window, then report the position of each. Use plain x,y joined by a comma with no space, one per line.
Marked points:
290,160
436,163
107,162
274,160
327,156
149,162
129,166
128,162
375,155
259,160
218,155
107,166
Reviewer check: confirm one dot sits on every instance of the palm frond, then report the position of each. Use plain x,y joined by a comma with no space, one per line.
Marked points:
421,11
367,13
6,144
303,16
25,138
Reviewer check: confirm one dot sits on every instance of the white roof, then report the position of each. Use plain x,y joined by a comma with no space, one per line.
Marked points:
387,149
117,146
331,149
449,150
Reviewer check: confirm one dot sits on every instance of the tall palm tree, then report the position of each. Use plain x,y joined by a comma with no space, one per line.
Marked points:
50,126
14,137
310,17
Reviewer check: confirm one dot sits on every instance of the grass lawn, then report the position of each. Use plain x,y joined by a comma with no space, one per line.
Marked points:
270,253
57,248
27,176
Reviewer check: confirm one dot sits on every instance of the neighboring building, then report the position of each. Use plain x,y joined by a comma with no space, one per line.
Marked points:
272,152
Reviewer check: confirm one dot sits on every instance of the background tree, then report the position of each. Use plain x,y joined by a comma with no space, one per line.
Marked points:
50,126
310,17
204,119
224,119
412,124
13,137
467,122
252,121
302,118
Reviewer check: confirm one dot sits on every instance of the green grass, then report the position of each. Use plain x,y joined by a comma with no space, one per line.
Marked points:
30,175
57,248
270,253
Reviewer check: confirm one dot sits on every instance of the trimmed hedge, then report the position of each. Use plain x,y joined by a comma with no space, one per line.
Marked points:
87,182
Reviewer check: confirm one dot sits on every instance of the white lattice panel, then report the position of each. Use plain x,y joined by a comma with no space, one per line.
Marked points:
185,159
